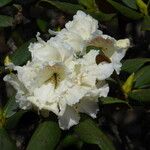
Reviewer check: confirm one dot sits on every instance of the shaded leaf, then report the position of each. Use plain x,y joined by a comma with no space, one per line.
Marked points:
130,3
142,95
6,21
66,7
142,78
10,108
125,10
146,23
90,133
46,137
132,65
21,55
4,2
42,24
112,100
5,141
12,121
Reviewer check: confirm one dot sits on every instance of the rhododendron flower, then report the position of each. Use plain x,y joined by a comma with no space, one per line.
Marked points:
59,80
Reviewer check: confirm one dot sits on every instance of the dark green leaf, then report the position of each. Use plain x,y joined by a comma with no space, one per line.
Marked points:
132,65
130,3
10,108
90,133
6,21
42,24
125,10
146,23
12,121
5,141
112,100
89,4
142,95
4,2
142,77
21,55
46,137
66,7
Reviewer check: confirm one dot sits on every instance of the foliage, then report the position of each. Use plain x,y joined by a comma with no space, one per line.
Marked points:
19,22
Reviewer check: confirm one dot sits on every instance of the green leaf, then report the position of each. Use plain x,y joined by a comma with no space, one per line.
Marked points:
142,6
46,137
22,54
132,65
42,24
126,11
146,23
90,133
66,7
4,2
6,21
142,78
89,4
12,121
5,141
130,3
10,107
112,100
142,95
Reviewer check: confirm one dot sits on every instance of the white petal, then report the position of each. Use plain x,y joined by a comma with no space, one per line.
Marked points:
89,107
69,118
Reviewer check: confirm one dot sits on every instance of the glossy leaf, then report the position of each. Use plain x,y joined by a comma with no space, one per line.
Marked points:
21,55
142,95
125,10
130,3
4,2
132,65
88,132
112,100
46,137
5,141
142,77
10,107
6,21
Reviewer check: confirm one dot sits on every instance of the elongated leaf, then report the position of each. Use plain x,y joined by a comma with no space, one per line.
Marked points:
90,133
142,95
132,65
46,137
4,2
10,107
5,141
22,54
146,23
125,10
66,7
142,77
112,100
6,21
130,3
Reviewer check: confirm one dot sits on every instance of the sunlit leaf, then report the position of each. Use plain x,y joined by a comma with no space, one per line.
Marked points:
46,137
88,131
6,21
125,10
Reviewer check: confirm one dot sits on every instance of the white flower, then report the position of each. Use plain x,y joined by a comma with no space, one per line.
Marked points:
57,80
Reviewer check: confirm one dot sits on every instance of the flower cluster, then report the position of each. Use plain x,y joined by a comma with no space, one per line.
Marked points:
66,74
